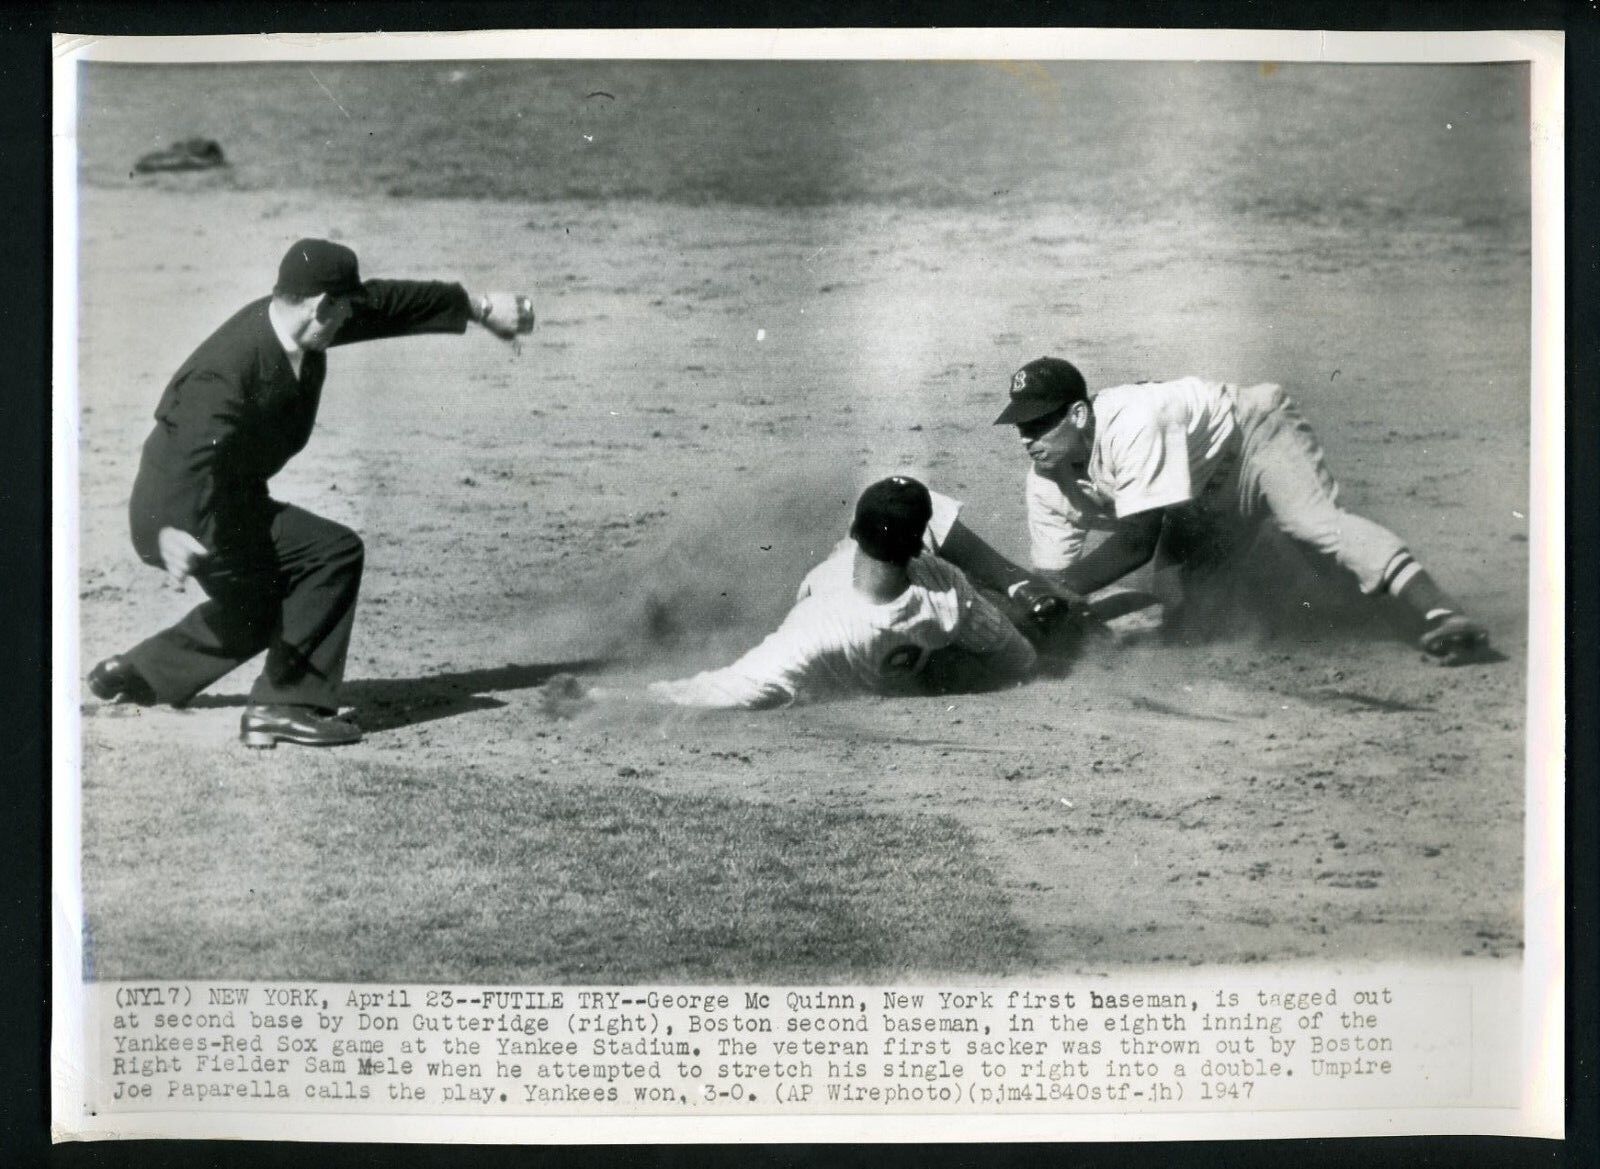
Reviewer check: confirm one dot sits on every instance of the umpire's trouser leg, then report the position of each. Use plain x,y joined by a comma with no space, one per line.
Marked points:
292,593
320,564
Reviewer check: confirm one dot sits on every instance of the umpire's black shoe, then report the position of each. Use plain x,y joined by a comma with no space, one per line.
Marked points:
115,680
267,726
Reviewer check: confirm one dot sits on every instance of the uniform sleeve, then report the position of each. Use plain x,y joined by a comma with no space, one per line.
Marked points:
399,308
199,420
986,631
1147,461
724,689
768,675
1056,529
202,413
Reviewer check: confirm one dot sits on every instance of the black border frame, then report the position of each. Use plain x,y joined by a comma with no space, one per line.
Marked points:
25,209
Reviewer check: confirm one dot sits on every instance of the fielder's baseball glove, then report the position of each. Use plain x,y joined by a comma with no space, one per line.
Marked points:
1053,622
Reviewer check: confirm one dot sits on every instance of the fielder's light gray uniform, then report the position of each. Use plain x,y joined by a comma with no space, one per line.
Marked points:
1234,454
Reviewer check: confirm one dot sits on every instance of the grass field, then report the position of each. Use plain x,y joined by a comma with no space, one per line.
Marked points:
312,867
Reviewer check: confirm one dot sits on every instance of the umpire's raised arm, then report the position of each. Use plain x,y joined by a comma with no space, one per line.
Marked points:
397,308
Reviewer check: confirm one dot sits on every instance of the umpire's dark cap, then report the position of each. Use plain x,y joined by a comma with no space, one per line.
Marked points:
311,266
1042,387
891,517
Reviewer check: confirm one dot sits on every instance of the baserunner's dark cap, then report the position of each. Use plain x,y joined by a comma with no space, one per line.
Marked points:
1041,387
311,266
891,516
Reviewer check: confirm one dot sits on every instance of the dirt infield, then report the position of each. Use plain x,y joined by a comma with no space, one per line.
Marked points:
638,494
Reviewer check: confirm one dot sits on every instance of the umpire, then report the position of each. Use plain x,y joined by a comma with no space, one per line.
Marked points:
276,577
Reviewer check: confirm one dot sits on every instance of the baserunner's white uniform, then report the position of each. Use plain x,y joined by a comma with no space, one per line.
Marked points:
837,641
1238,454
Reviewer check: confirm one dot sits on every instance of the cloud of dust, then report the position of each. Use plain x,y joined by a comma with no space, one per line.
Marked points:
708,582
720,572
1271,590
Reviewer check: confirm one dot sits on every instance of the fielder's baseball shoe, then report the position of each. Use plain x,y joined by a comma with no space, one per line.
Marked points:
267,726
115,680
1454,640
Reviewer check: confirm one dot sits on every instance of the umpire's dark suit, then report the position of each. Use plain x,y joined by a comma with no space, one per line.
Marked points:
279,578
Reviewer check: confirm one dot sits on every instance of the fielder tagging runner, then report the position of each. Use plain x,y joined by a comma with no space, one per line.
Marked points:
871,616
1183,469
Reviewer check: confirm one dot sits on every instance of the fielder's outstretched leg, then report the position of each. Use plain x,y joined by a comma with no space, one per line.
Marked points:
1285,473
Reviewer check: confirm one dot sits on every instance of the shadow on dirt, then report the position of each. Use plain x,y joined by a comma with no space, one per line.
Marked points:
384,704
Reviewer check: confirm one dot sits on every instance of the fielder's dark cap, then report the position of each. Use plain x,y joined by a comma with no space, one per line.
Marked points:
1041,387
891,517
311,266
